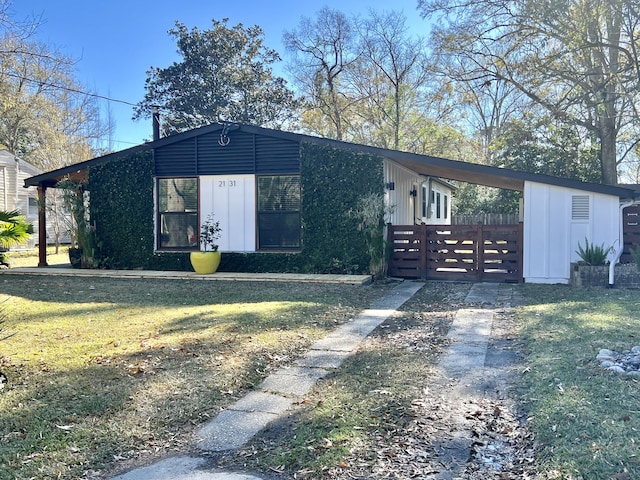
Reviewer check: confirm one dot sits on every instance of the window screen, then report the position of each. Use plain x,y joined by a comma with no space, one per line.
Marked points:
279,212
178,213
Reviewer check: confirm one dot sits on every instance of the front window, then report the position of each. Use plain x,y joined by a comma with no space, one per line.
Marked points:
424,201
178,213
33,207
446,206
279,212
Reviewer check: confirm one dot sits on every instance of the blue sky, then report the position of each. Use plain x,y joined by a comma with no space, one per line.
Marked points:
115,42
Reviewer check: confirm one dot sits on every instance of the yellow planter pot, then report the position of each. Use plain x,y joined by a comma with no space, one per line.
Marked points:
205,262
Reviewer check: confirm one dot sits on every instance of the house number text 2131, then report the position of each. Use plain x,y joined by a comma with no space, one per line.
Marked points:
226,183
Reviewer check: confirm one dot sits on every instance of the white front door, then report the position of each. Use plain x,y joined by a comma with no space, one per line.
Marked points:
232,200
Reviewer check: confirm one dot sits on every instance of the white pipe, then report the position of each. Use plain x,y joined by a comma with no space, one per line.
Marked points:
618,253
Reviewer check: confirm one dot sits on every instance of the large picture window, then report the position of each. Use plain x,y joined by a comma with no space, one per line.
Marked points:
278,212
178,214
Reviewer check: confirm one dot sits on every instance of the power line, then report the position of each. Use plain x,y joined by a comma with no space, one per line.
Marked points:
77,91
68,89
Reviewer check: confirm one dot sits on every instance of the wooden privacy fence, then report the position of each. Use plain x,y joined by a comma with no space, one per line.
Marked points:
631,232
456,252
485,219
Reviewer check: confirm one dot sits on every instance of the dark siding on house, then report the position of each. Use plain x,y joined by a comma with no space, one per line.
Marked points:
177,159
274,156
246,153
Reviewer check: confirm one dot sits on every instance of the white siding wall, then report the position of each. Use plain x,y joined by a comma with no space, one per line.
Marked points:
551,236
13,195
440,206
406,209
232,199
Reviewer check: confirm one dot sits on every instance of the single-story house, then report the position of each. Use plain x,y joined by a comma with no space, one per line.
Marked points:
284,201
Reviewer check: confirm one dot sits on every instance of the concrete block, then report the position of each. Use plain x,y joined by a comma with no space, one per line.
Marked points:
322,359
231,429
262,402
293,381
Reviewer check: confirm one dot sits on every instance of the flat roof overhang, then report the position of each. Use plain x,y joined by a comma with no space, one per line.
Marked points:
421,164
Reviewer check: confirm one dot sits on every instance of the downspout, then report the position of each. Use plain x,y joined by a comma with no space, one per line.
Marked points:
429,187
617,253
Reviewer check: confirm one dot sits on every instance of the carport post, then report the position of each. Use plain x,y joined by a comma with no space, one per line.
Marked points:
42,226
423,251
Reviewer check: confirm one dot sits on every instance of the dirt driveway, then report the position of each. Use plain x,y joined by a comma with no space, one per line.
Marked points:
440,429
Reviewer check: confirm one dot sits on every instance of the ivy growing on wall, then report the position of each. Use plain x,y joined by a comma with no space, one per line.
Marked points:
122,209
332,181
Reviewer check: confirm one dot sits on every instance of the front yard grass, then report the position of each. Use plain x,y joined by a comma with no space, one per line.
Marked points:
378,416
105,371
29,258
587,422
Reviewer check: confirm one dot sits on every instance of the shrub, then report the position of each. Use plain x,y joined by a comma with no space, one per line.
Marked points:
593,254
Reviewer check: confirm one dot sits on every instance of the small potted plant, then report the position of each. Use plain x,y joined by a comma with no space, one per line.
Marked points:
82,251
207,259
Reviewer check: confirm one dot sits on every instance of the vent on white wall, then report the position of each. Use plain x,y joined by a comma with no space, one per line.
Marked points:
580,207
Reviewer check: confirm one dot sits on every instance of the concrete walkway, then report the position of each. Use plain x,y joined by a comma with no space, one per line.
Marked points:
236,425
461,376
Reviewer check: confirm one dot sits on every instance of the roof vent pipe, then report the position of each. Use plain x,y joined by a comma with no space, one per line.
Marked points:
155,114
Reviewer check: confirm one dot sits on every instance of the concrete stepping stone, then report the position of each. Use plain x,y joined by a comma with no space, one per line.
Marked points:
231,429
293,381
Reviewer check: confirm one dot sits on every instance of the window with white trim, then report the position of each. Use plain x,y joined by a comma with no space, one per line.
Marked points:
177,214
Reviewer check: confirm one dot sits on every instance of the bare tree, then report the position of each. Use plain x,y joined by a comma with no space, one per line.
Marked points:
323,49
46,118
392,71
578,59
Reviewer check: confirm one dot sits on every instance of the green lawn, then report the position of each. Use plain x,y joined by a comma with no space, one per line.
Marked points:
104,370
583,422
586,421
29,258
107,371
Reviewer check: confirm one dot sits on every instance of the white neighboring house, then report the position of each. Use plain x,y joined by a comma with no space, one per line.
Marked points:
14,196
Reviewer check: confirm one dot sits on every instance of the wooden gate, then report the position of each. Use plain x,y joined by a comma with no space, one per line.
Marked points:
631,232
456,252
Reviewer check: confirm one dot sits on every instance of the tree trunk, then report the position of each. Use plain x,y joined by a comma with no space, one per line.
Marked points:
608,153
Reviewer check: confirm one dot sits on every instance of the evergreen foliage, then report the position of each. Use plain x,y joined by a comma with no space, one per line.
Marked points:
332,181
224,74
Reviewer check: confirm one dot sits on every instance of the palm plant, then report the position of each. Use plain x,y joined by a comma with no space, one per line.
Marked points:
14,230
592,254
